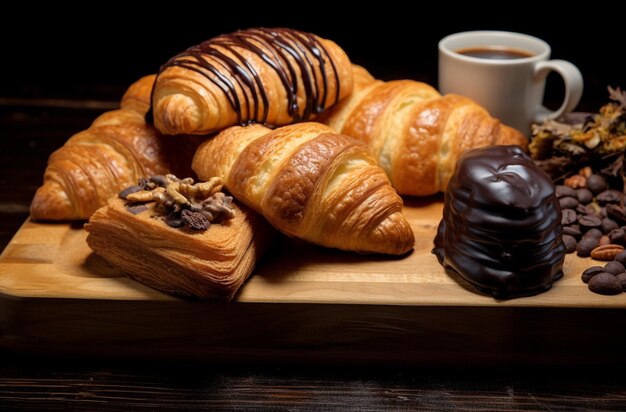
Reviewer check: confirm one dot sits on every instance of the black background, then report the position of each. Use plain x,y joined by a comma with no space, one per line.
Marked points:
95,54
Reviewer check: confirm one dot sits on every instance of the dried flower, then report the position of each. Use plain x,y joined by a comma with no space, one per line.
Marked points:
595,140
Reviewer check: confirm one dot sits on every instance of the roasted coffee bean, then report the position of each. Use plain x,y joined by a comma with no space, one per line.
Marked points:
608,196
586,245
617,213
568,216
614,268
594,233
568,202
584,196
617,237
586,209
621,258
591,272
603,212
572,231
608,225
605,284
562,190
570,243
622,279
596,184
588,222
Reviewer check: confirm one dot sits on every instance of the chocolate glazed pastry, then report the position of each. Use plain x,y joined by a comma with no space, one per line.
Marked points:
270,76
501,227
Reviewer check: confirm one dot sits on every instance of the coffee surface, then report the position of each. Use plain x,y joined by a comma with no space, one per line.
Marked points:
495,53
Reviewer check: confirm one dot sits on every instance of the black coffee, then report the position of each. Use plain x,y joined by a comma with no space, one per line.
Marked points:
494,52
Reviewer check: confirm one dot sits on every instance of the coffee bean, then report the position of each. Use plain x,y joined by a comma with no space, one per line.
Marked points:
568,202
588,222
604,240
608,196
586,245
603,213
570,243
614,268
617,213
594,233
591,272
586,210
621,257
596,184
572,231
605,284
608,225
617,237
622,279
562,190
584,196
568,216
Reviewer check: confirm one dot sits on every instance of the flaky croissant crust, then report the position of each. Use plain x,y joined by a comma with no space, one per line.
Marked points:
312,183
113,153
415,134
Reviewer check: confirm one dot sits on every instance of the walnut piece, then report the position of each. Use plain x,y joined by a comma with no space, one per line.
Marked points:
183,202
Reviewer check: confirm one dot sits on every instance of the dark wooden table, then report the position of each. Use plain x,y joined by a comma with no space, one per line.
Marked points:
31,130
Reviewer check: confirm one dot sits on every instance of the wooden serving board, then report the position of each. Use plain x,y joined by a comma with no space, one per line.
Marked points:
53,290
53,261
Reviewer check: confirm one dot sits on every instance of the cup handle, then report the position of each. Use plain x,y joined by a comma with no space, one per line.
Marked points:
573,80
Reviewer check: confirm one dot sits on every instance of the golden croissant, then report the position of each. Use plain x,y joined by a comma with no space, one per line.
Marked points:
311,183
113,153
416,134
269,76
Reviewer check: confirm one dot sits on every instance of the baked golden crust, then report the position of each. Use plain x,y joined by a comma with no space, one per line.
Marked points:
416,134
311,183
269,76
211,265
113,153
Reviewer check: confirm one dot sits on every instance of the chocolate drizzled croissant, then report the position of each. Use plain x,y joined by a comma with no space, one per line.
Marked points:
270,76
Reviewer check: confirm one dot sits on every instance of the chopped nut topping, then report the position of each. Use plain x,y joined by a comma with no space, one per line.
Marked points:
181,201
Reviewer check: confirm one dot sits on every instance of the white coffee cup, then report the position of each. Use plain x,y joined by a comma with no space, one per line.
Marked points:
510,86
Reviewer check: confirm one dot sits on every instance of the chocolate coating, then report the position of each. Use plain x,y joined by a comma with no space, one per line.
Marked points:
501,228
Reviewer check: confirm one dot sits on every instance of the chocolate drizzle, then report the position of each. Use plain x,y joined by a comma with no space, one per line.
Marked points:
290,53
501,227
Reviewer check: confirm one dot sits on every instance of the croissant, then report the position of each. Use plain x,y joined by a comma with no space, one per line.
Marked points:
210,265
113,153
270,76
311,183
416,134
